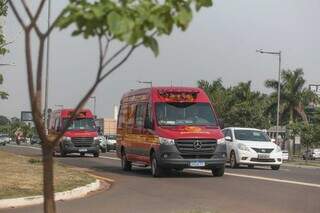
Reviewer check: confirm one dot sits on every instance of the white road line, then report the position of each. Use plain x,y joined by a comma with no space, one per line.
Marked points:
111,158
264,178
227,173
21,146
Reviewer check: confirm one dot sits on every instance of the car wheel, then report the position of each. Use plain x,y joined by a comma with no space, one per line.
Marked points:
156,170
62,152
233,160
108,149
96,155
250,166
275,167
82,154
125,164
218,172
103,150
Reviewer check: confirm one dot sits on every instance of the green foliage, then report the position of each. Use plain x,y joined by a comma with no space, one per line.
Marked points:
3,49
309,133
294,96
238,105
4,120
130,21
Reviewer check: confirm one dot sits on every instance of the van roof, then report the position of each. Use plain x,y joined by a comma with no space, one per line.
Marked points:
155,91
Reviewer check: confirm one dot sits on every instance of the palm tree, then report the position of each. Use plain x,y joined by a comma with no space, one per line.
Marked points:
294,97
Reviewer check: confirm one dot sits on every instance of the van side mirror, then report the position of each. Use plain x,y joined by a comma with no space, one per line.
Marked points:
273,140
228,138
221,123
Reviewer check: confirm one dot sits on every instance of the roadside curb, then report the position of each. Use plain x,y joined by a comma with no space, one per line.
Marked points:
79,192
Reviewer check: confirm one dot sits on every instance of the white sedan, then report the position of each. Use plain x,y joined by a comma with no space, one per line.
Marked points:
247,146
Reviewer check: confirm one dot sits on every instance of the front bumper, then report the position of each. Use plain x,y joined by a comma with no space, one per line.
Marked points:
168,156
71,148
250,158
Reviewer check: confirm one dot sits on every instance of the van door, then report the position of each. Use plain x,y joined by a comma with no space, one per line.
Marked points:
139,137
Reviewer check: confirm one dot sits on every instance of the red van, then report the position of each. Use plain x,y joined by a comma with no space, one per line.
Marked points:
170,128
81,137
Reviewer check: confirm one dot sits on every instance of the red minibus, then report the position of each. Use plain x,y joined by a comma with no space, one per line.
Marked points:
170,128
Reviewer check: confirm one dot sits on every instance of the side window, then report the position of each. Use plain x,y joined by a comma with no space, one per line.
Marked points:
148,119
57,124
139,115
224,132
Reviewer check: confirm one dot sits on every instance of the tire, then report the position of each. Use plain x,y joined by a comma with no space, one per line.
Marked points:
62,152
250,166
108,149
275,167
82,154
125,164
218,172
156,170
233,160
103,150
96,155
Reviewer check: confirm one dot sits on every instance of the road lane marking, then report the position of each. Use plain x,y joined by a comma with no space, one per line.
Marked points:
227,173
263,178
111,158
21,146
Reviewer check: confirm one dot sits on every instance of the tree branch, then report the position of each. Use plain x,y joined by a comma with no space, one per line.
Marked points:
33,20
118,65
114,56
54,23
23,25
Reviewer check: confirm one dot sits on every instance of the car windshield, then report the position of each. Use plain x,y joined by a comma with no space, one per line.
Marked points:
250,135
173,114
81,124
112,137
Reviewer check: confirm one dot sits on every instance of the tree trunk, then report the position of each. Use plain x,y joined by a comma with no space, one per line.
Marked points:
48,187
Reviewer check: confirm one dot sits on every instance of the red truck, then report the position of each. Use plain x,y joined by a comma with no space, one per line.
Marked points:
81,137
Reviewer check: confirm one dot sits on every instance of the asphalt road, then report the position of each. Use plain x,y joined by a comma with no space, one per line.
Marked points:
256,190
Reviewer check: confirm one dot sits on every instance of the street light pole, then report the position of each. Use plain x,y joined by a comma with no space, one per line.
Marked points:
145,82
94,104
47,72
279,87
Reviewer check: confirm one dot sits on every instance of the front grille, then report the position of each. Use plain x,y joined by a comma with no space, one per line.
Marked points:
82,142
258,150
196,156
190,146
262,160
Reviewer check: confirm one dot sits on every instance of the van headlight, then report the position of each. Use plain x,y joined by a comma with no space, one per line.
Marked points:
166,141
67,139
243,147
221,141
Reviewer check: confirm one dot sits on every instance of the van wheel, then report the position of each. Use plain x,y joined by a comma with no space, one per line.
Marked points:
82,154
233,160
218,172
275,167
156,170
125,164
96,155
250,166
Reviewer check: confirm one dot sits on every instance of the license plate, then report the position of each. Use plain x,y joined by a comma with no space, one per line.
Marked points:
197,164
263,156
83,150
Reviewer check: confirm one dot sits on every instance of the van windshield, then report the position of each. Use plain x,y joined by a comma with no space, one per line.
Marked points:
81,124
174,114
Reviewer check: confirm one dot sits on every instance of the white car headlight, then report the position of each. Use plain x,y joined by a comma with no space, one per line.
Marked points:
166,141
65,138
278,149
243,147
221,141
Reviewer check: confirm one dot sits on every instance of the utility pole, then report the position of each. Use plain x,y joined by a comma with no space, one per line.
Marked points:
279,87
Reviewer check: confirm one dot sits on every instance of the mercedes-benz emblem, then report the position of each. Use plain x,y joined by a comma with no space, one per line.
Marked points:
197,145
